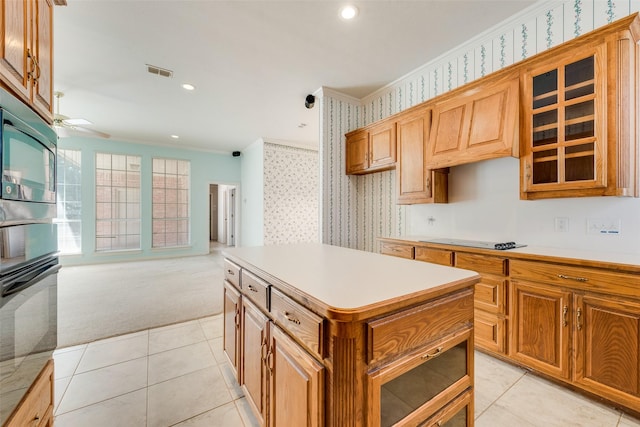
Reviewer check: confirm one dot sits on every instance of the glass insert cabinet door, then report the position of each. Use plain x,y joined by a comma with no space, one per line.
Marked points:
428,387
565,116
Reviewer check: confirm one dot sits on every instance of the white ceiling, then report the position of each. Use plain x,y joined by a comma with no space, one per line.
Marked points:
252,62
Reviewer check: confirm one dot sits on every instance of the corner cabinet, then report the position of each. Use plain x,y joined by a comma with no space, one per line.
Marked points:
578,135
416,183
26,52
371,149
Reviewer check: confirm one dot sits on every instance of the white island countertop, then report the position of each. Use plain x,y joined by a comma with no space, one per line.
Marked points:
340,281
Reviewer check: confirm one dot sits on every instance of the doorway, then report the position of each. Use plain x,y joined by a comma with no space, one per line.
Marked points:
222,214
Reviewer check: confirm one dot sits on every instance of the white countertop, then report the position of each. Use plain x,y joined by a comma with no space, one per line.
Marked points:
347,278
568,253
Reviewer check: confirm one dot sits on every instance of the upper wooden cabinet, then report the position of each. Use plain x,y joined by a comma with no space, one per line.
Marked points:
371,149
416,183
578,134
475,123
26,52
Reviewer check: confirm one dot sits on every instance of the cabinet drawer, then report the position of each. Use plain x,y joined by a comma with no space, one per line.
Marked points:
256,289
489,331
304,325
482,263
38,401
491,294
414,327
397,249
436,256
232,272
591,279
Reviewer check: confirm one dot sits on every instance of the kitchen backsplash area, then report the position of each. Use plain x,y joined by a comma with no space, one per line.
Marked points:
484,198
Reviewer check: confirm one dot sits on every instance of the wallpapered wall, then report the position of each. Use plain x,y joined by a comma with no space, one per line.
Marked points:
357,209
290,194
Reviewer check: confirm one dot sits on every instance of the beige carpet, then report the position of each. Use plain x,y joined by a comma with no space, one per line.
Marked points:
100,301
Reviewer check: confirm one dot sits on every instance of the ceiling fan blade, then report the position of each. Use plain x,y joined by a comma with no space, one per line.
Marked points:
65,131
92,132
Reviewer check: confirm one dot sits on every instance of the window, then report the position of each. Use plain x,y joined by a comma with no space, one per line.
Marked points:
69,198
117,202
170,203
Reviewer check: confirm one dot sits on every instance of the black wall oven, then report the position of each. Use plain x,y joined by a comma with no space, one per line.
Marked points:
28,250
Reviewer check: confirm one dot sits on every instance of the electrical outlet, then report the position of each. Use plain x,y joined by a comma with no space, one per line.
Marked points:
607,226
562,225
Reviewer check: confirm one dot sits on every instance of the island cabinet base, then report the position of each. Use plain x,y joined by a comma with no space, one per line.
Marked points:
406,361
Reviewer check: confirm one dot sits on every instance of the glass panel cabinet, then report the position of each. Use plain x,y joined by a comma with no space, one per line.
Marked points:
565,124
419,386
577,117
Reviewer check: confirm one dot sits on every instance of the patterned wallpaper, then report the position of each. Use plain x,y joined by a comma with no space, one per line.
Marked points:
290,194
358,209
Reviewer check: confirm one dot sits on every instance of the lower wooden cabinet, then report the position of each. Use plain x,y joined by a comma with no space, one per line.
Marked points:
540,327
255,345
36,408
296,383
231,339
607,347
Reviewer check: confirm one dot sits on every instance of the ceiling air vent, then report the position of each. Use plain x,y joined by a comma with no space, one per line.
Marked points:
162,72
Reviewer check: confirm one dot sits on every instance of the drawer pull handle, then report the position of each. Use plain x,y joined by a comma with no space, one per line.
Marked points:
291,318
252,289
436,353
230,273
579,279
565,310
579,319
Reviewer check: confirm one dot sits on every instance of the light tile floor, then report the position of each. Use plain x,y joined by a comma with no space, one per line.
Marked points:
177,375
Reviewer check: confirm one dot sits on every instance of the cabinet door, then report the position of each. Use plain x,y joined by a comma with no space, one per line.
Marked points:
296,384
357,155
231,340
416,183
540,317
42,49
382,146
14,67
608,347
564,124
255,342
477,124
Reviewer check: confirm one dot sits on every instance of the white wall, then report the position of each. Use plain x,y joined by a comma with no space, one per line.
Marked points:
251,196
484,197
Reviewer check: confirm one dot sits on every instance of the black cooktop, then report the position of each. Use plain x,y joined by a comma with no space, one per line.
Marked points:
501,246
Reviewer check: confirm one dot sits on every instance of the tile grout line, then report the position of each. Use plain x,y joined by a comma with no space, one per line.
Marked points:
501,395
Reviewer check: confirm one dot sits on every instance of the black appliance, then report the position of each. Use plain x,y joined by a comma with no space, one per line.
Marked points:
28,249
501,246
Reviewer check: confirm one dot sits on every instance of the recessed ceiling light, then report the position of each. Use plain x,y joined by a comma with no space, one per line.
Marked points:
187,86
175,136
349,12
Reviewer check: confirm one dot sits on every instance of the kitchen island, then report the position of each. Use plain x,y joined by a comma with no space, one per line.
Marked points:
321,335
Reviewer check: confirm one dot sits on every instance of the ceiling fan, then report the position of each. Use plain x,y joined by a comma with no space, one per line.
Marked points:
66,126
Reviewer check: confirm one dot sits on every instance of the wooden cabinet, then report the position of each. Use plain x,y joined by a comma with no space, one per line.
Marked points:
436,256
232,322
371,149
296,383
607,347
578,117
416,183
26,52
255,346
306,363
540,327
401,250
477,122
490,299
581,325
36,408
